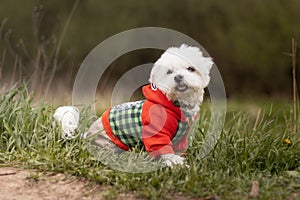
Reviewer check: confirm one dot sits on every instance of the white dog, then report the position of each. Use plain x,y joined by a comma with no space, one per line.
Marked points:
160,123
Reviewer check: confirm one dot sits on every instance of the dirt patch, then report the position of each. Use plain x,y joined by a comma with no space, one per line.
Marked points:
28,184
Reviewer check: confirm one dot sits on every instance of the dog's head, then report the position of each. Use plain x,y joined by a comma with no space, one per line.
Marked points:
182,74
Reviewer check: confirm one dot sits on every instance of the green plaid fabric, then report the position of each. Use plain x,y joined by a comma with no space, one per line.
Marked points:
126,123
181,131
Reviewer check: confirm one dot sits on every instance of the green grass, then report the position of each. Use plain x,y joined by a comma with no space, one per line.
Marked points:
250,148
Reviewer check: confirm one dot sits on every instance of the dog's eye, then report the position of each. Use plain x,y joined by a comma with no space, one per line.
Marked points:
169,71
191,69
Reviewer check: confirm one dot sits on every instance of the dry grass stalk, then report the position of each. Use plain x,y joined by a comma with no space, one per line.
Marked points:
294,53
57,50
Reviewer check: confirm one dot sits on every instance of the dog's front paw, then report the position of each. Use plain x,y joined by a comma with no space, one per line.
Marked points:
171,159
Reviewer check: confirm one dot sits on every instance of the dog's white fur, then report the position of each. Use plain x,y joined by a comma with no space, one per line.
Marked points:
180,73
188,63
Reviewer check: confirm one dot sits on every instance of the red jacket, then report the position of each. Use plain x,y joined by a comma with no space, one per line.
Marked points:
161,121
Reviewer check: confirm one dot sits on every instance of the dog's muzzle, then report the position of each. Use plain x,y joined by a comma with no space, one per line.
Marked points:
181,86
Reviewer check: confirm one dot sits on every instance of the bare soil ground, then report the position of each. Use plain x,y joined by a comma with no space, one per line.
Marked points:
27,184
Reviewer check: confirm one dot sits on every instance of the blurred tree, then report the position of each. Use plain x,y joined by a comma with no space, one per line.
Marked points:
246,38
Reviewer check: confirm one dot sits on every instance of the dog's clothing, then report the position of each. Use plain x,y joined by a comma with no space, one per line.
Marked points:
155,124
158,124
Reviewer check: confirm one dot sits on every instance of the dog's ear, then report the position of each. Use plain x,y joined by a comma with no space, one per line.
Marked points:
207,64
203,67
204,70
152,74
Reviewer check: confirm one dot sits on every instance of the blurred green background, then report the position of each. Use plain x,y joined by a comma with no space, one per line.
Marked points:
249,40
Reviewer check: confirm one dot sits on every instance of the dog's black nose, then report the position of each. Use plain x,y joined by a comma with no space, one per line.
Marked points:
178,78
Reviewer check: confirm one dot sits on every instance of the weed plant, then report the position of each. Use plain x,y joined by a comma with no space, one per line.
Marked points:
264,149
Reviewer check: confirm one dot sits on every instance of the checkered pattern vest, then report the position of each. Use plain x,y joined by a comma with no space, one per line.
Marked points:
154,123
126,123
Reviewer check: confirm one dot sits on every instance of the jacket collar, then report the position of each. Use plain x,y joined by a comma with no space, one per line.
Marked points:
155,95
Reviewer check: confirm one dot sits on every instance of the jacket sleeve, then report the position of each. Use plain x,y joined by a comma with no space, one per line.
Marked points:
158,130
